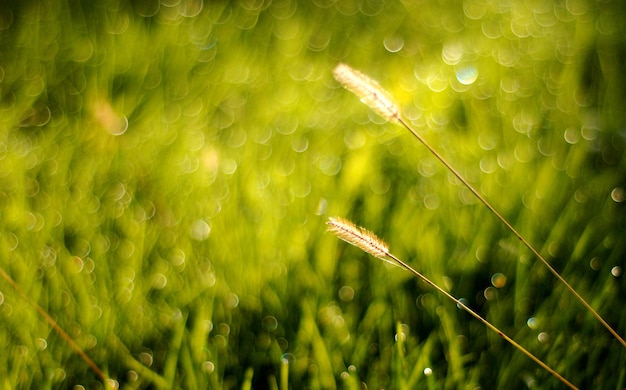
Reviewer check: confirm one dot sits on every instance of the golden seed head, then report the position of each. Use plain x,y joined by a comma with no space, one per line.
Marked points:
368,90
359,237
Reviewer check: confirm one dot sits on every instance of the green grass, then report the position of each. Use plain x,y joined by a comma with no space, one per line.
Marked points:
190,250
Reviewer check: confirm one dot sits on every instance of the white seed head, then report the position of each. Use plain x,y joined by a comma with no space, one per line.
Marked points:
368,90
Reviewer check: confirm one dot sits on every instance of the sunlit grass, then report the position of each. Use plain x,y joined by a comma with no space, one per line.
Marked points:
188,248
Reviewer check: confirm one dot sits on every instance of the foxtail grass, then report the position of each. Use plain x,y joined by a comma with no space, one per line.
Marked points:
379,100
370,243
369,91
108,382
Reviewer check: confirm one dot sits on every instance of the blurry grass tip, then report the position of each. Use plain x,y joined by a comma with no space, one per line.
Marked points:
369,91
359,237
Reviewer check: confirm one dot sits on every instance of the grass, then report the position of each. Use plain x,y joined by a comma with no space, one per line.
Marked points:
369,243
377,99
188,249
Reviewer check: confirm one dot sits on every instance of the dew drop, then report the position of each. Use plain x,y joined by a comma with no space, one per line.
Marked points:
224,329
159,281
330,165
404,330
41,344
571,136
452,53
618,194
76,265
270,323
467,75
346,293
393,44
208,367
616,271
200,230
232,301
132,376
490,293
229,166
300,144
288,358
498,280
12,241
431,201
146,359
354,139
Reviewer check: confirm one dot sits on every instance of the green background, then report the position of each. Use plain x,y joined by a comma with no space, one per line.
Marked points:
167,169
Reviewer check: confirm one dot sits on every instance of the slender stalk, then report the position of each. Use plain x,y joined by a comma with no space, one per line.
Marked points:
375,97
484,321
513,230
369,243
57,328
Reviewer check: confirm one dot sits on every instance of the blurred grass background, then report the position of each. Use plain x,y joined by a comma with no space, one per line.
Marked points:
166,170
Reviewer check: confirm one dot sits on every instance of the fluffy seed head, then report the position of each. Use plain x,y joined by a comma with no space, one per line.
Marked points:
359,237
368,90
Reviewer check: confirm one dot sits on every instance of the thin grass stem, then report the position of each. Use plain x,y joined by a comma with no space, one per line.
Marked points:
371,244
57,328
513,230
